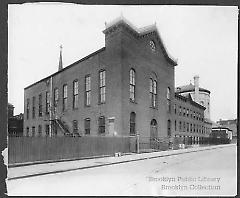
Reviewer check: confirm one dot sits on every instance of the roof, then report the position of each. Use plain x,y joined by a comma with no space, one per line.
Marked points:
220,127
65,68
139,32
189,98
189,88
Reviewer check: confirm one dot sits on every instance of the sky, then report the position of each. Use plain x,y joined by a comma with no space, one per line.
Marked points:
203,40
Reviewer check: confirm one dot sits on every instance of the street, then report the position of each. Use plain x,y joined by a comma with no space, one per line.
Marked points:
210,172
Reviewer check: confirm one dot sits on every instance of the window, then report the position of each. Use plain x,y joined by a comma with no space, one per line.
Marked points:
87,90
153,92
132,123
169,128
33,131
194,127
101,124
39,130
28,108
87,126
190,127
187,127
27,131
175,125
55,99
33,107
168,100
152,45
40,105
180,110
194,115
47,102
187,112
184,126
183,111
47,129
102,86
64,97
132,85
180,126
75,126
75,94
175,108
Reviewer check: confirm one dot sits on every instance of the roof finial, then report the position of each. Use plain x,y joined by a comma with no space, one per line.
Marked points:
60,66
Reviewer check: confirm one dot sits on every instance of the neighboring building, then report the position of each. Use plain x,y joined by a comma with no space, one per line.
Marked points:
126,87
231,124
188,118
221,132
10,110
15,123
199,95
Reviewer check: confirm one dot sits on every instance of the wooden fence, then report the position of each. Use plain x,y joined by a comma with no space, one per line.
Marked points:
32,149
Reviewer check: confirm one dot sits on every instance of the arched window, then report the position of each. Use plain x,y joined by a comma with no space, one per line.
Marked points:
132,85
153,92
169,128
132,123
168,99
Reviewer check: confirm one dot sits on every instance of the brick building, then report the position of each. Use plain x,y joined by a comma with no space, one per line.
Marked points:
126,87
188,118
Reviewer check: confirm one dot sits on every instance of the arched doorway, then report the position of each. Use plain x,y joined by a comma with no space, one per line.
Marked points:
153,134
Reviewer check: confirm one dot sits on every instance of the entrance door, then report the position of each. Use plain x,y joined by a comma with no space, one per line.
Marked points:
153,134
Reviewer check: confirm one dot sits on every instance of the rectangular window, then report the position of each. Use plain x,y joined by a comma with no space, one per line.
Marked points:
175,124
47,129
47,102
39,130
27,132
55,99
184,111
101,125
102,86
75,94
132,85
180,126
87,90
190,127
180,110
64,97
33,131
187,127
33,107
87,126
187,112
75,126
40,105
175,108
28,108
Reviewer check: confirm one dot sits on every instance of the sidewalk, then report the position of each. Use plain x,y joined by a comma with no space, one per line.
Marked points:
58,167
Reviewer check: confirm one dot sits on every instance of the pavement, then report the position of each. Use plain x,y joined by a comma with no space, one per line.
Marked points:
21,172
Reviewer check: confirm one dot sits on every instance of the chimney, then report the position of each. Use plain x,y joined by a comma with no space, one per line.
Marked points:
196,88
60,65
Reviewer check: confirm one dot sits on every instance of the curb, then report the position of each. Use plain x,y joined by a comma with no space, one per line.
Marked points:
113,163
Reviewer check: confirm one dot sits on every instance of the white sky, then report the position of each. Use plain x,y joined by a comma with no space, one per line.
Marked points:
202,38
